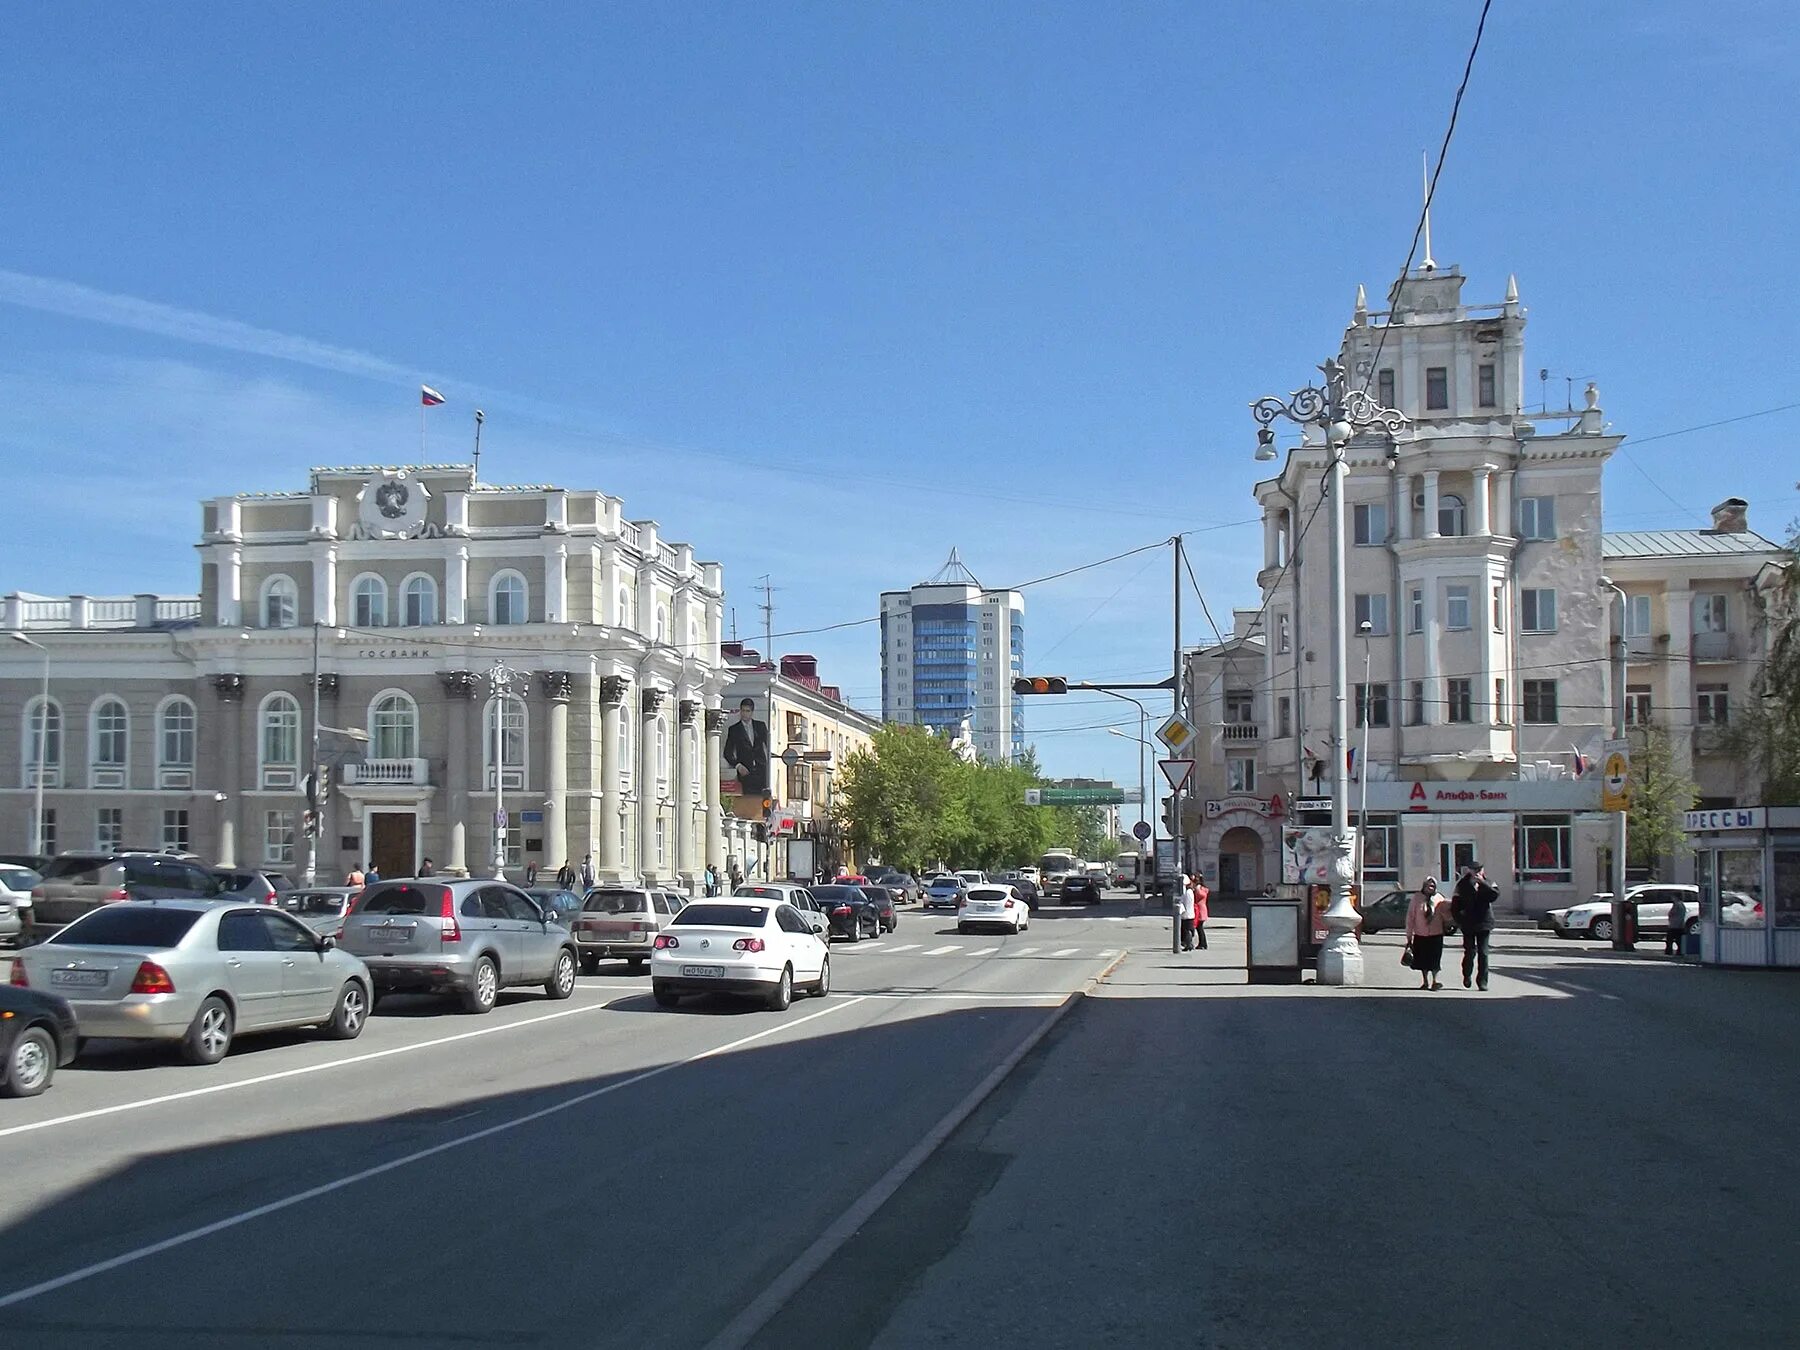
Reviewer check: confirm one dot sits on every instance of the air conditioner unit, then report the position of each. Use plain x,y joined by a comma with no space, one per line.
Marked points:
1418,501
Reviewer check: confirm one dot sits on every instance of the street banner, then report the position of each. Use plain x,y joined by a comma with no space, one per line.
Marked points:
746,752
1306,854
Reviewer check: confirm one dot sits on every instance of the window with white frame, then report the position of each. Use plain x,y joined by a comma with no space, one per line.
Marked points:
109,828
1380,839
660,629
418,601
1372,610
1711,614
1437,388
1540,701
1637,616
175,735
111,735
175,835
1415,610
510,712
1537,610
1456,607
1371,705
278,739
661,747
690,746
662,843
394,728
368,602
1240,773
1459,698
1499,609
1637,705
1453,516
1384,387
1537,517
46,832
278,838
1712,704
624,839
42,741
624,618
1544,848
1283,632
1370,522
508,598
626,752
280,602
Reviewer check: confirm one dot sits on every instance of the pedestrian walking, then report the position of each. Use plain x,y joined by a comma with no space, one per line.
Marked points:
426,869
1202,910
1678,917
565,876
712,880
1182,903
373,875
735,872
1425,933
531,873
1472,910
356,878
587,874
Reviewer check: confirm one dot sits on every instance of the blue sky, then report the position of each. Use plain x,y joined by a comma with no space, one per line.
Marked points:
901,276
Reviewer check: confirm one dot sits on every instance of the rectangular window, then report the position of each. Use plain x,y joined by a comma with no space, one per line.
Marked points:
1501,715
662,843
1240,773
1713,705
1499,609
1637,616
175,835
1537,610
1372,705
109,827
1637,705
1284,716
1370,522
1537,517
1485,391
47,833
1710,614
1380,848
1460,699
1384,387
278,837
1544,849
1437,388
1240,705
1283,637
1456,608
1540,701
1372,609
1415,610
1415,703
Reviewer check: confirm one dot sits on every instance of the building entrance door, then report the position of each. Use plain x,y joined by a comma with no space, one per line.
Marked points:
1453,856
393,842
1240,861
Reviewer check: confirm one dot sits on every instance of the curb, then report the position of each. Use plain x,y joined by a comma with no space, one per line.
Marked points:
761,1310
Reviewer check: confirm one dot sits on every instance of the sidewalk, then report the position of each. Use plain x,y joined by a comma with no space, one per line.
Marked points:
1191,1160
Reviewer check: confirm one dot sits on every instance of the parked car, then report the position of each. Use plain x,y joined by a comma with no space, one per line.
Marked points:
265,888
971,877
198,973
1023,887
1081,890
37,1037
15,902
945,893
849,910
35,862
1387,913
471,938
735,946
886,900
910,892
621,923
75,883
791,893
561,905
320,908
992,907
1592,918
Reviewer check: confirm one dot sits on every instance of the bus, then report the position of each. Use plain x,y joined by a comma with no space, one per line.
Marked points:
1124,869
1054,867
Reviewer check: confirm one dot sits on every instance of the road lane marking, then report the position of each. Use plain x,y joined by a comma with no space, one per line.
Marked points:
984,951
1022,951
943,951
395,1164
1066,951
907,947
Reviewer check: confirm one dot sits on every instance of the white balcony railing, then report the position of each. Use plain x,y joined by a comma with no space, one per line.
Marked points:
388,773
1237,733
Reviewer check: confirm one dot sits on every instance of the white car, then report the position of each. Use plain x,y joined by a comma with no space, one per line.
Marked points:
15,902
969,877
1593,917
765,949
992,907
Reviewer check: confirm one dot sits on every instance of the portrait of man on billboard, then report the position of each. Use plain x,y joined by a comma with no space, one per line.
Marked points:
746,753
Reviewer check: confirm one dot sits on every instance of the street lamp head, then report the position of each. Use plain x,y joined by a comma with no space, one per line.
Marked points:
1265,444
1340,432
1365,628
20,637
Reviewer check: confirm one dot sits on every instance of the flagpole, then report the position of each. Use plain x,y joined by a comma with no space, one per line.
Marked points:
422,429
480,417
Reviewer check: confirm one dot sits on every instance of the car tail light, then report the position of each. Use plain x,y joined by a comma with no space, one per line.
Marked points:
641,925
269,899
667,942
447,912
19,979
120,894
1011,903
841,909
747,945
152,979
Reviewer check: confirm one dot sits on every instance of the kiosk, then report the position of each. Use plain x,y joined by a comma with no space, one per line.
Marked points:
1747,861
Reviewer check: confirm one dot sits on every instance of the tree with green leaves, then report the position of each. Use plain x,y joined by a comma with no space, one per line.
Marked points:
1660,793
1765,735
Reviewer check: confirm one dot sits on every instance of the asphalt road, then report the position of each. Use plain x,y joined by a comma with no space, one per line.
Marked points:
594,1172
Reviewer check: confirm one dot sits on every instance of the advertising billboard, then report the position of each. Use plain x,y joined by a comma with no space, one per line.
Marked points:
745,755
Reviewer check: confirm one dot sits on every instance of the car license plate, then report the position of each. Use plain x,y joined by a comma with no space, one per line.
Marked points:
698,972
80,979
394,935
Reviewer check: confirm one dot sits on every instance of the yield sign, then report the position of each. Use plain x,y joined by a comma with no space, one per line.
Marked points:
1176,771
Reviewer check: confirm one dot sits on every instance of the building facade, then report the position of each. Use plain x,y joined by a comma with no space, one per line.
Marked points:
789,831
950,649
447,650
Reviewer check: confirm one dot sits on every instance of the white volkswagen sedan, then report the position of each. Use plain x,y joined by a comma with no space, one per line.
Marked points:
739,946
992,907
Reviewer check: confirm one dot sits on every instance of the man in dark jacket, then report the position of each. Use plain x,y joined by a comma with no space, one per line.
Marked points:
1472,909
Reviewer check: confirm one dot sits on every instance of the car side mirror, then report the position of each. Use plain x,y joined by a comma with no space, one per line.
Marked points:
326,943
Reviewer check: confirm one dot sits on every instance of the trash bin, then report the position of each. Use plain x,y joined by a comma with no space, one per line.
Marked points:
1624,925
1273,944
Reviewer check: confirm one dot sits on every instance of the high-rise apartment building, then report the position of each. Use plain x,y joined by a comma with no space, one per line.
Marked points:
950,648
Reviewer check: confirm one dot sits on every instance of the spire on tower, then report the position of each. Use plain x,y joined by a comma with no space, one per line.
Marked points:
1362,304
1512,288
1429,263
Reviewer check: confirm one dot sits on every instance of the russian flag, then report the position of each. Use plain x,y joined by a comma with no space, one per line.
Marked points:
1350,762
1581,760
429,397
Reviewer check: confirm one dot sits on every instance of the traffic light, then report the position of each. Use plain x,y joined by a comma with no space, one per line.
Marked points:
1041,684
309,824
1168,817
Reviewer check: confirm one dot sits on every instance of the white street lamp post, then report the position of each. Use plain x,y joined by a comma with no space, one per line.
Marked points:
1363,630
43,738
500,679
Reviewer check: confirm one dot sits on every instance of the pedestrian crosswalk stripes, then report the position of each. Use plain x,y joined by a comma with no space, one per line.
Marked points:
943,951
971,951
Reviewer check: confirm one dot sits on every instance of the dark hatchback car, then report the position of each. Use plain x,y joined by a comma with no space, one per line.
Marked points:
908,889
1081,891
37,1037
562,905
886,897
849,911
1023,887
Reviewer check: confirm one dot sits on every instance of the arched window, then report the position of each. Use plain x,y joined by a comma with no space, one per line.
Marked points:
625,619
690,750
175,743
626,750
42,741
393,727
278,734
507,598
511,715
111,734
1452,518
661,633
662,753
418,601
280,602
368,602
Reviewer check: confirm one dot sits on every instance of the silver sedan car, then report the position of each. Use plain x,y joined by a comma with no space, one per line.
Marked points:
197,972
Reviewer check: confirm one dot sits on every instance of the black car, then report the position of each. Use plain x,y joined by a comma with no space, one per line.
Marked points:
907,887
886,897
37,1037
1023,887
849,910
1081,891
1389,912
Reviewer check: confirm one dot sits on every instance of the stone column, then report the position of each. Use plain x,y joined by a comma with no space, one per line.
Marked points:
559,687
556,584
1481,520
231,582
1431,503
459,693
324,586
456,585
1403,506
611,865
684,791
650,801
228,717
1503,504
709,793
1271,537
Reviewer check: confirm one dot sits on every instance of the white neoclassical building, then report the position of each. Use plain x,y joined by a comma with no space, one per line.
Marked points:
478,649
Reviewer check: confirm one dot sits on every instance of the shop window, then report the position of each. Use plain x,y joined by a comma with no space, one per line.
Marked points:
1544,849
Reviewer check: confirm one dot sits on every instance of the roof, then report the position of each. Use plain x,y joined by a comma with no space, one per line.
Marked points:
1684,544
953,573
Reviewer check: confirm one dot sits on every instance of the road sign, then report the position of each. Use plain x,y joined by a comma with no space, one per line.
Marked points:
1615,778
1141,829
1176,732
790,756
1081,796
1176,771
1034,797
500,819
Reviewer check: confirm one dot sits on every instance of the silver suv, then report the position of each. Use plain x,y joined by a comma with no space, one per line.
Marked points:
469,938
621,922
74,883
